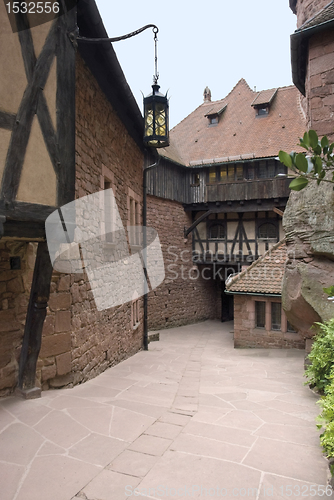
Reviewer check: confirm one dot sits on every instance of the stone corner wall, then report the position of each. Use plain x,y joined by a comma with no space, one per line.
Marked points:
14,298
184,297
246,335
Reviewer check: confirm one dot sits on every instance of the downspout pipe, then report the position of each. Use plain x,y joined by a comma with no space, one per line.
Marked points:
145,322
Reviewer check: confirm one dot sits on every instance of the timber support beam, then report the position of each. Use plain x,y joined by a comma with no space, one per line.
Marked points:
32,339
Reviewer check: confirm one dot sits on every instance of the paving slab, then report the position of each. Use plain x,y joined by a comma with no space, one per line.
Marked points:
190,418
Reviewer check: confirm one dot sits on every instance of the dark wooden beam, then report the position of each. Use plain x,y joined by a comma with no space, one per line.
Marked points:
66,107
22,211
235,207
197,221
32,339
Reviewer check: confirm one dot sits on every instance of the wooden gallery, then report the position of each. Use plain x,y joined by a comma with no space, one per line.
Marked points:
70,127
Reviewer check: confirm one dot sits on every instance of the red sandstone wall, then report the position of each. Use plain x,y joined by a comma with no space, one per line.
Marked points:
14,297
246,335
79,342
320,83
183,297
308,8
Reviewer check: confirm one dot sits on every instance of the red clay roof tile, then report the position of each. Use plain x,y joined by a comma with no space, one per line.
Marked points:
264,276
239,131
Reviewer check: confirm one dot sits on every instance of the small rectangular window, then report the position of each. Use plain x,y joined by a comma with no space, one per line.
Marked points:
195,180
250,172
262,172
212,175
275,316
231,173
135,313
239,173
223,173
260,314
108,212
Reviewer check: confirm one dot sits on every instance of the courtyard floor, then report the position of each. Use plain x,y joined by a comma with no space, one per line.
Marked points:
190,418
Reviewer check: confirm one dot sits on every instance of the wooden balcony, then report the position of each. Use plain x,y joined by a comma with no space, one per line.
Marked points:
260,189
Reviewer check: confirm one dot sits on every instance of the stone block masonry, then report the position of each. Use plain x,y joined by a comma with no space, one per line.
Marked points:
184,297
78,341
320,83
246,334
14,297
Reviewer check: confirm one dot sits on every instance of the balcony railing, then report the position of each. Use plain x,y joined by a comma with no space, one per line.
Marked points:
248,190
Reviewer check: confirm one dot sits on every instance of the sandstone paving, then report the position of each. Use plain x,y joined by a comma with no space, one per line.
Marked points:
191,418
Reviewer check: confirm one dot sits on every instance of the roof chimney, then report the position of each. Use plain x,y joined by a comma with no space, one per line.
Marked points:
207,94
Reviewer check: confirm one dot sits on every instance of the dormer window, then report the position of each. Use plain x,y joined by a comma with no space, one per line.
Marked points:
263,110
214,113
263,101
213,119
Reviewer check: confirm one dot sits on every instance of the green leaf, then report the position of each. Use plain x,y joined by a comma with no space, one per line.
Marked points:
301,162
313,138
298,184
324,142
318,165
306,140
329,290
317,149
285,158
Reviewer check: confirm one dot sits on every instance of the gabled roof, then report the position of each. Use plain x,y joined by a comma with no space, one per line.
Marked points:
264,276
240,133
264,97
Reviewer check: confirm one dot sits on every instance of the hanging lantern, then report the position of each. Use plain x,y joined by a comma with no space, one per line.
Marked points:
156,106
156,133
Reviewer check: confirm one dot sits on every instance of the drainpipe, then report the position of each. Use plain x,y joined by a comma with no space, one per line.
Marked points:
144,247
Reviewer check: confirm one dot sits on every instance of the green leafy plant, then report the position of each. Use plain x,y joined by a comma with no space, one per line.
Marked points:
321,357
326,419
314,165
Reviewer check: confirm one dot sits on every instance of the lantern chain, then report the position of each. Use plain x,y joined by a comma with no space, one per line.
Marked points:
156,75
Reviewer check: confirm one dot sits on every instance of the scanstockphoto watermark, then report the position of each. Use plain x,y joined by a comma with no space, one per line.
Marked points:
199,491
194,491
28,14
221,266
88,235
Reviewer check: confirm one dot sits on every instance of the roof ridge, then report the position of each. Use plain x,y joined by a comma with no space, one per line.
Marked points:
255,263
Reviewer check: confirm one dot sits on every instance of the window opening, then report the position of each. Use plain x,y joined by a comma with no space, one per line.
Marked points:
276,315
217,232
212,175
260,314
267,231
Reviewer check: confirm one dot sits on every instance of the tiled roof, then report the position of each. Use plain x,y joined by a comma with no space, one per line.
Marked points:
264,97
265,275
216,109
326,14
239,131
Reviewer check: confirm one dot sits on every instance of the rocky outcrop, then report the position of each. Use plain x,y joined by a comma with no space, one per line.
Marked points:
309,226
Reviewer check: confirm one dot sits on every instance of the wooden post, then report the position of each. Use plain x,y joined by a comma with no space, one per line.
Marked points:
32,339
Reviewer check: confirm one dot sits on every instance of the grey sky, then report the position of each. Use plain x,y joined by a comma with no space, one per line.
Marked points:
214,43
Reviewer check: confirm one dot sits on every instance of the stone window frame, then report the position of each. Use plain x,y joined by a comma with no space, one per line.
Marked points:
135,313
134,206
268,315
108,177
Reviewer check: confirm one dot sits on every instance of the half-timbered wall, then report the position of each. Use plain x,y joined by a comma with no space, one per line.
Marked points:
235,237
36,120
